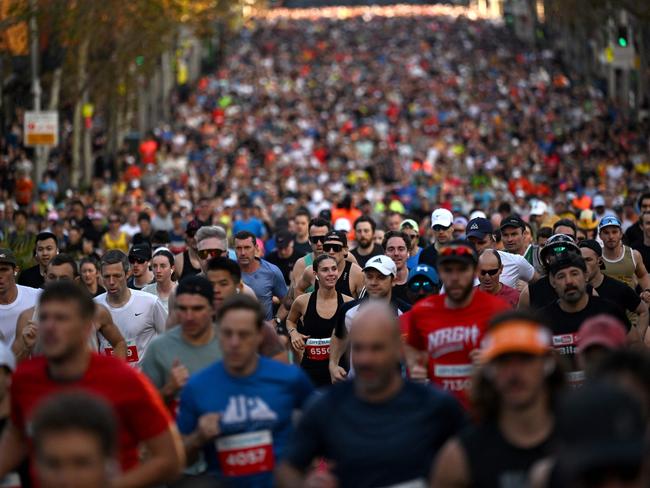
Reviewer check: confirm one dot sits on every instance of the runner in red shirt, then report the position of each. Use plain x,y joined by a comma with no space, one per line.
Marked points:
444,330
65,321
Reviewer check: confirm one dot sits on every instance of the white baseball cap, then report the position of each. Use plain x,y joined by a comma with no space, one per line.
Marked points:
442,216
7,358
477,214
342,224
538,208
383,264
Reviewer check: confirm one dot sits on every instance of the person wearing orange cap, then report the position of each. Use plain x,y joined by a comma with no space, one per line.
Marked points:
513,396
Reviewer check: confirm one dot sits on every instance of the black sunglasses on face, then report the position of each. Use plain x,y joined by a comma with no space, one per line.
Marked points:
317,239
490,272
439,228
332,247
133,260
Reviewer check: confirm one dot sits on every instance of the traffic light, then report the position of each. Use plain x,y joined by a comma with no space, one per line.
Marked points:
621,38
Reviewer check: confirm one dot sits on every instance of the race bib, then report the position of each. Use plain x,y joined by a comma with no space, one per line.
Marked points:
317,349
246,454
453,377
131,352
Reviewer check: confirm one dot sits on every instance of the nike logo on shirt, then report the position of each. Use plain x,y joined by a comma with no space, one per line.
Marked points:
138,314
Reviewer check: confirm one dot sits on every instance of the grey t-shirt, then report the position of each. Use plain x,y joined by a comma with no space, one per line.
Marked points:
165,349
266,282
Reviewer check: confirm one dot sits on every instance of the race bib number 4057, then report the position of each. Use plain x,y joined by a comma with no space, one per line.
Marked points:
246,454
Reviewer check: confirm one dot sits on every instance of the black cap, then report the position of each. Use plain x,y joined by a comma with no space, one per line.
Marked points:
141,250
192,227
283,238
336,236
567,261
599,426
512,221
196,285
479,227
593,245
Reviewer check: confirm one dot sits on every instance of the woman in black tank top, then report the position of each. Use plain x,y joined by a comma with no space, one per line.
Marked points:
310,331
188,267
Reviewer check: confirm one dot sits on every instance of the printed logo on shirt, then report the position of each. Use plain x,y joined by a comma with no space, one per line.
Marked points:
242,408
138,314
450,339
565,343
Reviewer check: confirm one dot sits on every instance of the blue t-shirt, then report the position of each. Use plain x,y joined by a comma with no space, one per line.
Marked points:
253,225
375,444
266,282
257,405
412,261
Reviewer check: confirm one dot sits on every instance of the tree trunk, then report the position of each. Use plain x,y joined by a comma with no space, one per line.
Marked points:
55,89
77,128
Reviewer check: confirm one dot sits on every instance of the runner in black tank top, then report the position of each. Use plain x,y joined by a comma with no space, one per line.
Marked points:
309,330
188,267
315,359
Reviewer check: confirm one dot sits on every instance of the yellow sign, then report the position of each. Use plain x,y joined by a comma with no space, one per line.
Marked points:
87,110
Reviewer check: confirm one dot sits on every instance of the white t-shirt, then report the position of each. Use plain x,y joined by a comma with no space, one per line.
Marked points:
515,268
141,319
27,297
130,230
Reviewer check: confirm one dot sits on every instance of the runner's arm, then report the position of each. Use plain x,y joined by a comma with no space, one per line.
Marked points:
109,330
21,349
179,261
172,320
13,449
640,271
450,469
164,462
643,318
357,281
524,298
296,312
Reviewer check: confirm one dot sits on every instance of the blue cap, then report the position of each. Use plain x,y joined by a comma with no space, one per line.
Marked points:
479,227
427,271
608,221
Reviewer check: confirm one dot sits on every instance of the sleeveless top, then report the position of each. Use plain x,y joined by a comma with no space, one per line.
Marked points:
188,267
494,462
316,354
622,269
120,243
343,283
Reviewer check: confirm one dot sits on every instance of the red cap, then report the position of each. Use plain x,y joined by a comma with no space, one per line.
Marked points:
601,330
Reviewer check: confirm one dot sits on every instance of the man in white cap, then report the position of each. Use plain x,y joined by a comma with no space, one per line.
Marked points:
379,275
443,232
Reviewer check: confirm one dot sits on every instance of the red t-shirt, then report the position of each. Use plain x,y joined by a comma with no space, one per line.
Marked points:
139,409
449,335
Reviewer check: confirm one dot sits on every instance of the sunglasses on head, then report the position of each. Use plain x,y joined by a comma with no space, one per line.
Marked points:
490,272
210,253
317,239
425,286
332,247
133,260
457,251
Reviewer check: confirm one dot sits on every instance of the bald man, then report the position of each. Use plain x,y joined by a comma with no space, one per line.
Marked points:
490,268
379,414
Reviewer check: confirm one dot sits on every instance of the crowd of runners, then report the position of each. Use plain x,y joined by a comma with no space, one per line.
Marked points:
429,241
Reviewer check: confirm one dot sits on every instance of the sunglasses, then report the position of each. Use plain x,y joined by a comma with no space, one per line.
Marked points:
438,228
133,260
413,236
461,251
332,247
210,253
490,272
317,239
425,286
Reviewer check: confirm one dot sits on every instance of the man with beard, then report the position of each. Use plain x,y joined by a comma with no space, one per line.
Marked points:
444,330
514,396
364,231
386,430
568,277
